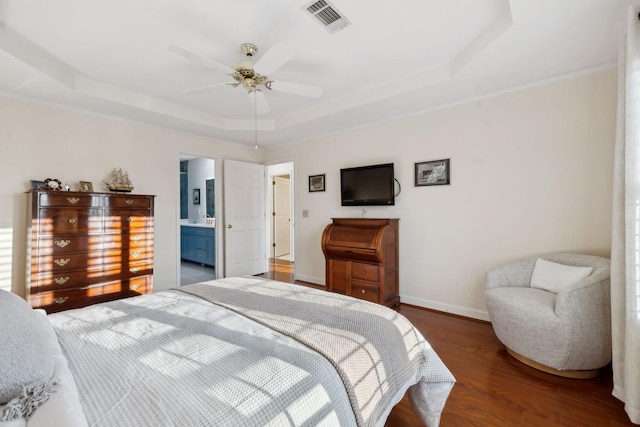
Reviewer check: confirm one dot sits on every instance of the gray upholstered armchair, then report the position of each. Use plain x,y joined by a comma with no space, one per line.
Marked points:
566,332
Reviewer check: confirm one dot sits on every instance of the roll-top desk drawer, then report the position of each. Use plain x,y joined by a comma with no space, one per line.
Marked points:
88,247
368,272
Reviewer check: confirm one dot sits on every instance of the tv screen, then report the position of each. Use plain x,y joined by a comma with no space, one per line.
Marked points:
367,185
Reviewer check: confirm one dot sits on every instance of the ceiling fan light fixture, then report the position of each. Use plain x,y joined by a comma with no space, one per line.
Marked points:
244,66
249,84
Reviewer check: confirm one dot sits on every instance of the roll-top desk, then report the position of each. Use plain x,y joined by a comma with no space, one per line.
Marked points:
362,259
85,248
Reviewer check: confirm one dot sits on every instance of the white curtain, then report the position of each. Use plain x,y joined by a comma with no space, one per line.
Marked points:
625,245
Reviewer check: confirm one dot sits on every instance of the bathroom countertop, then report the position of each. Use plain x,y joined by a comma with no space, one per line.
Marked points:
202,225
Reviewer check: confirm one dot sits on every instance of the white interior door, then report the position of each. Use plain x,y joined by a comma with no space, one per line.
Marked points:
282,215
245,221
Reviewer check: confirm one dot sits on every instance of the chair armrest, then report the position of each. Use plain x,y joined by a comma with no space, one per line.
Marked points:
588,298
517,273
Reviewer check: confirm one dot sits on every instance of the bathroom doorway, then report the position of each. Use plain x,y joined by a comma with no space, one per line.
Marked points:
198,240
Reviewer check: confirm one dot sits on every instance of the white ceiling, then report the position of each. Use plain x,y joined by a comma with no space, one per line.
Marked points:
396,58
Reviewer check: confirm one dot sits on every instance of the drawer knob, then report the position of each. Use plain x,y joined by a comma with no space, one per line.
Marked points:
62,243
136,238
61,280
62,261
60,300
135,254
73,200
134,287
364,271
130,219
134,269
363,291
129,201
73,220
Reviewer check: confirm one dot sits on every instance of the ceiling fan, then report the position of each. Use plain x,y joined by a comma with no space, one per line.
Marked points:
253,76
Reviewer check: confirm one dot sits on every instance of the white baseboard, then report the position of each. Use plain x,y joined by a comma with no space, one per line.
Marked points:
419,302
310,279
447,308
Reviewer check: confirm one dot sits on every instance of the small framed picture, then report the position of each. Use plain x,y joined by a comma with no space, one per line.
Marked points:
434,172
38,185
85,186
196,196
316,183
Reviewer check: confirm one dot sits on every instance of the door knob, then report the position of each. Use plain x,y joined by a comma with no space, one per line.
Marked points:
229,226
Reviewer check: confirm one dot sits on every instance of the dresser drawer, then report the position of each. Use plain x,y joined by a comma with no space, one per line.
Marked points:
65,280
128,269
127,220
365,291
127,255
68,262
60,244
55,301
131,240
69,220
70,199
368,272
128,202
139,285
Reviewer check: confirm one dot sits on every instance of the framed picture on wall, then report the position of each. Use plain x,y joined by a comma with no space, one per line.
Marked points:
434,172
196,196
316,183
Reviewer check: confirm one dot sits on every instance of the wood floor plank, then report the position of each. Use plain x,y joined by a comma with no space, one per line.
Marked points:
493,389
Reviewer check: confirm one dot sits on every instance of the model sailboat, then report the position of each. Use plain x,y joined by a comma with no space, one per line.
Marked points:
118,181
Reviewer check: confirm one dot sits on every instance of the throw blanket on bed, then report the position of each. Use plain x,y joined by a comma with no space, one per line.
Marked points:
375,350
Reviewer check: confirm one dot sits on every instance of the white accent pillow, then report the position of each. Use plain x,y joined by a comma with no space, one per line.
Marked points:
554,277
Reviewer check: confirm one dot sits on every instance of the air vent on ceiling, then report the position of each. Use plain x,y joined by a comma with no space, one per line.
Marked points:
327,14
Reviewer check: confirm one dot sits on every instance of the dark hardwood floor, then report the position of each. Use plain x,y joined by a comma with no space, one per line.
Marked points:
493,389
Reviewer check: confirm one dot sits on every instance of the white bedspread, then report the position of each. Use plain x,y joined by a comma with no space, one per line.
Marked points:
174,359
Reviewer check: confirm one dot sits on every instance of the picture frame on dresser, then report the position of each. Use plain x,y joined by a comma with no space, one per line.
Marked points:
85,186
38,185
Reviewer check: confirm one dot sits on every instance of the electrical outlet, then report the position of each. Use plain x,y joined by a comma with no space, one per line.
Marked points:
305,213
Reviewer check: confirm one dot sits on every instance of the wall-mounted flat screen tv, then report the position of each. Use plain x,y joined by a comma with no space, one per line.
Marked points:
367,185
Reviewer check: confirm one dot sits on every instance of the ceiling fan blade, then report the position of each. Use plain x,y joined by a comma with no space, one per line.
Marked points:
274,58
204,89
296,89
259,102
201,59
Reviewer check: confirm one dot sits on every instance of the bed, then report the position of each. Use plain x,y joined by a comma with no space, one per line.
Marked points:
230,352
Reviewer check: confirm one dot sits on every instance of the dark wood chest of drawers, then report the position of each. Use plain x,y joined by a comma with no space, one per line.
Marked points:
85,248
362,259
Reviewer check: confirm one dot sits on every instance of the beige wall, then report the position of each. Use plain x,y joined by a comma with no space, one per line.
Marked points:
37,142
531,173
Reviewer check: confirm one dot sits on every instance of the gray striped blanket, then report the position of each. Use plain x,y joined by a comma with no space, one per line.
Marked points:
264,353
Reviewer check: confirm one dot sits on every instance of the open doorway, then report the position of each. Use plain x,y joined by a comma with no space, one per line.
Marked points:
281,225
197,220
